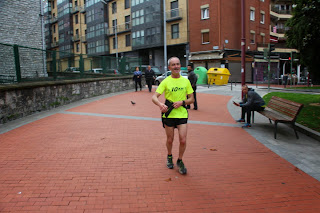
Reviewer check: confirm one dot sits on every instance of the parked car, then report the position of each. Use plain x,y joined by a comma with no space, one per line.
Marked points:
160,78
72,69
96,70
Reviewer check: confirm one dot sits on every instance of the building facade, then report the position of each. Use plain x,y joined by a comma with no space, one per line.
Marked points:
215,33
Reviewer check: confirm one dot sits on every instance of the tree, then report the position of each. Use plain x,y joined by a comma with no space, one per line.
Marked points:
304,34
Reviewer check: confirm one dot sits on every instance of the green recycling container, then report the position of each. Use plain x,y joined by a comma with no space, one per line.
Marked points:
201,72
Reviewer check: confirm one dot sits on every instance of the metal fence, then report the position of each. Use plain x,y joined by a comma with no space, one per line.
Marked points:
23,64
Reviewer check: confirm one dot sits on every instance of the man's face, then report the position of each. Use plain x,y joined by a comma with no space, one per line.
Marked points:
175,66
245,90
149,67
189,68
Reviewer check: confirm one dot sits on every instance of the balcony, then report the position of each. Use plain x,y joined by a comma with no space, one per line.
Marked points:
174,15
76,9
75,38
280,14
53,20
55,44
83,39
83,9
122,28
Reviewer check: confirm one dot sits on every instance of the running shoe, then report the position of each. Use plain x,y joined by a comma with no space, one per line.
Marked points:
247,125
169,162
240,120
182,168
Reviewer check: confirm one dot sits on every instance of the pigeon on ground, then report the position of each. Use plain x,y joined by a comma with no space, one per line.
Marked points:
133,103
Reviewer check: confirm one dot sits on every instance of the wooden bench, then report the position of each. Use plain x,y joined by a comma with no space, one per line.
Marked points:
282,111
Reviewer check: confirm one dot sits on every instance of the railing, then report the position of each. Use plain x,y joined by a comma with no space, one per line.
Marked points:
53,20
279,30
174,14
76,9
83,38
55,44
120,28
284,12
76,38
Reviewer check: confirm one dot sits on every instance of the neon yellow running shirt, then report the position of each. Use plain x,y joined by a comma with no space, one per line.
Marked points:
176,89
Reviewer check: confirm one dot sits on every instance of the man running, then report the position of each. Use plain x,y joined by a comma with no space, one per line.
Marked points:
174,112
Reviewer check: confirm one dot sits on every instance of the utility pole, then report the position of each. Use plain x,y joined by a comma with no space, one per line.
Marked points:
243,44
164,36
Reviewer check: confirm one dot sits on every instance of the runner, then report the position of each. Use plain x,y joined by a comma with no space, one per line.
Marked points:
174,112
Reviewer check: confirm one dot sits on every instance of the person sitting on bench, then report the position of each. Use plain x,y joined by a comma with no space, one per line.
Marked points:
252,101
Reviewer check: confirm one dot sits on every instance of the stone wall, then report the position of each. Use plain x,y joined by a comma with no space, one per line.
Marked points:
20,24
19,100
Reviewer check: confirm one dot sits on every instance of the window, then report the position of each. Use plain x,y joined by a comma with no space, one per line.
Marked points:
77,32
114,25
77,19
205,13
175,31
174,9
52,4
127,4
262,17
252,37
252,15
205,38
78,47
128,40
75,3
114,43
54,28
114,7
138,17
138,38
127,20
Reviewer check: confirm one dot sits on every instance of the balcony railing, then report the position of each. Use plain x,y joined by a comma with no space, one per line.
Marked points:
274,29
53,20
55,44
120,28
76,9
75,38
174,14
83,9
284,12
83,38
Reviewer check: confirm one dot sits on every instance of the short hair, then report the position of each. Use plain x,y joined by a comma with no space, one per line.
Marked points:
191,65
171,59
245,86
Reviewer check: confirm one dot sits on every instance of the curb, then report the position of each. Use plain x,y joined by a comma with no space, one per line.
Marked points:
309,132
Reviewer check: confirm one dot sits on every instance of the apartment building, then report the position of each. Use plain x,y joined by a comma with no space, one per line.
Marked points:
280,12
118,28
215,33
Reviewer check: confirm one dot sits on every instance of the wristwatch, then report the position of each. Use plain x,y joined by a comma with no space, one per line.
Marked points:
183,103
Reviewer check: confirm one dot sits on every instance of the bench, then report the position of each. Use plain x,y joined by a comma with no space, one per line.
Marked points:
280,110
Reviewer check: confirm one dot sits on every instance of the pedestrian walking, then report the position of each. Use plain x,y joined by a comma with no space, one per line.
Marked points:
174,112
150,77
252,101
137,75
193,78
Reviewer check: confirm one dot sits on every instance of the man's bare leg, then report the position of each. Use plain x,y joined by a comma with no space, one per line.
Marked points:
169,143
183,128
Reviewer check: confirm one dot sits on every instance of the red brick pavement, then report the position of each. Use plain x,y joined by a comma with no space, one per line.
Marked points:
81,163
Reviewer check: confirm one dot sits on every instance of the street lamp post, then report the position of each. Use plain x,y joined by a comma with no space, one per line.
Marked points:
164,35
243,44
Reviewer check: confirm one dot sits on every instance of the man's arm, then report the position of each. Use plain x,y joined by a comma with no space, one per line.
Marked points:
189,101
155,99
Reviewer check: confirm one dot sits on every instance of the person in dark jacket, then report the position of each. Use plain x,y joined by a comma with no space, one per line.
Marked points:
193,81
252,101
150,76
137,75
